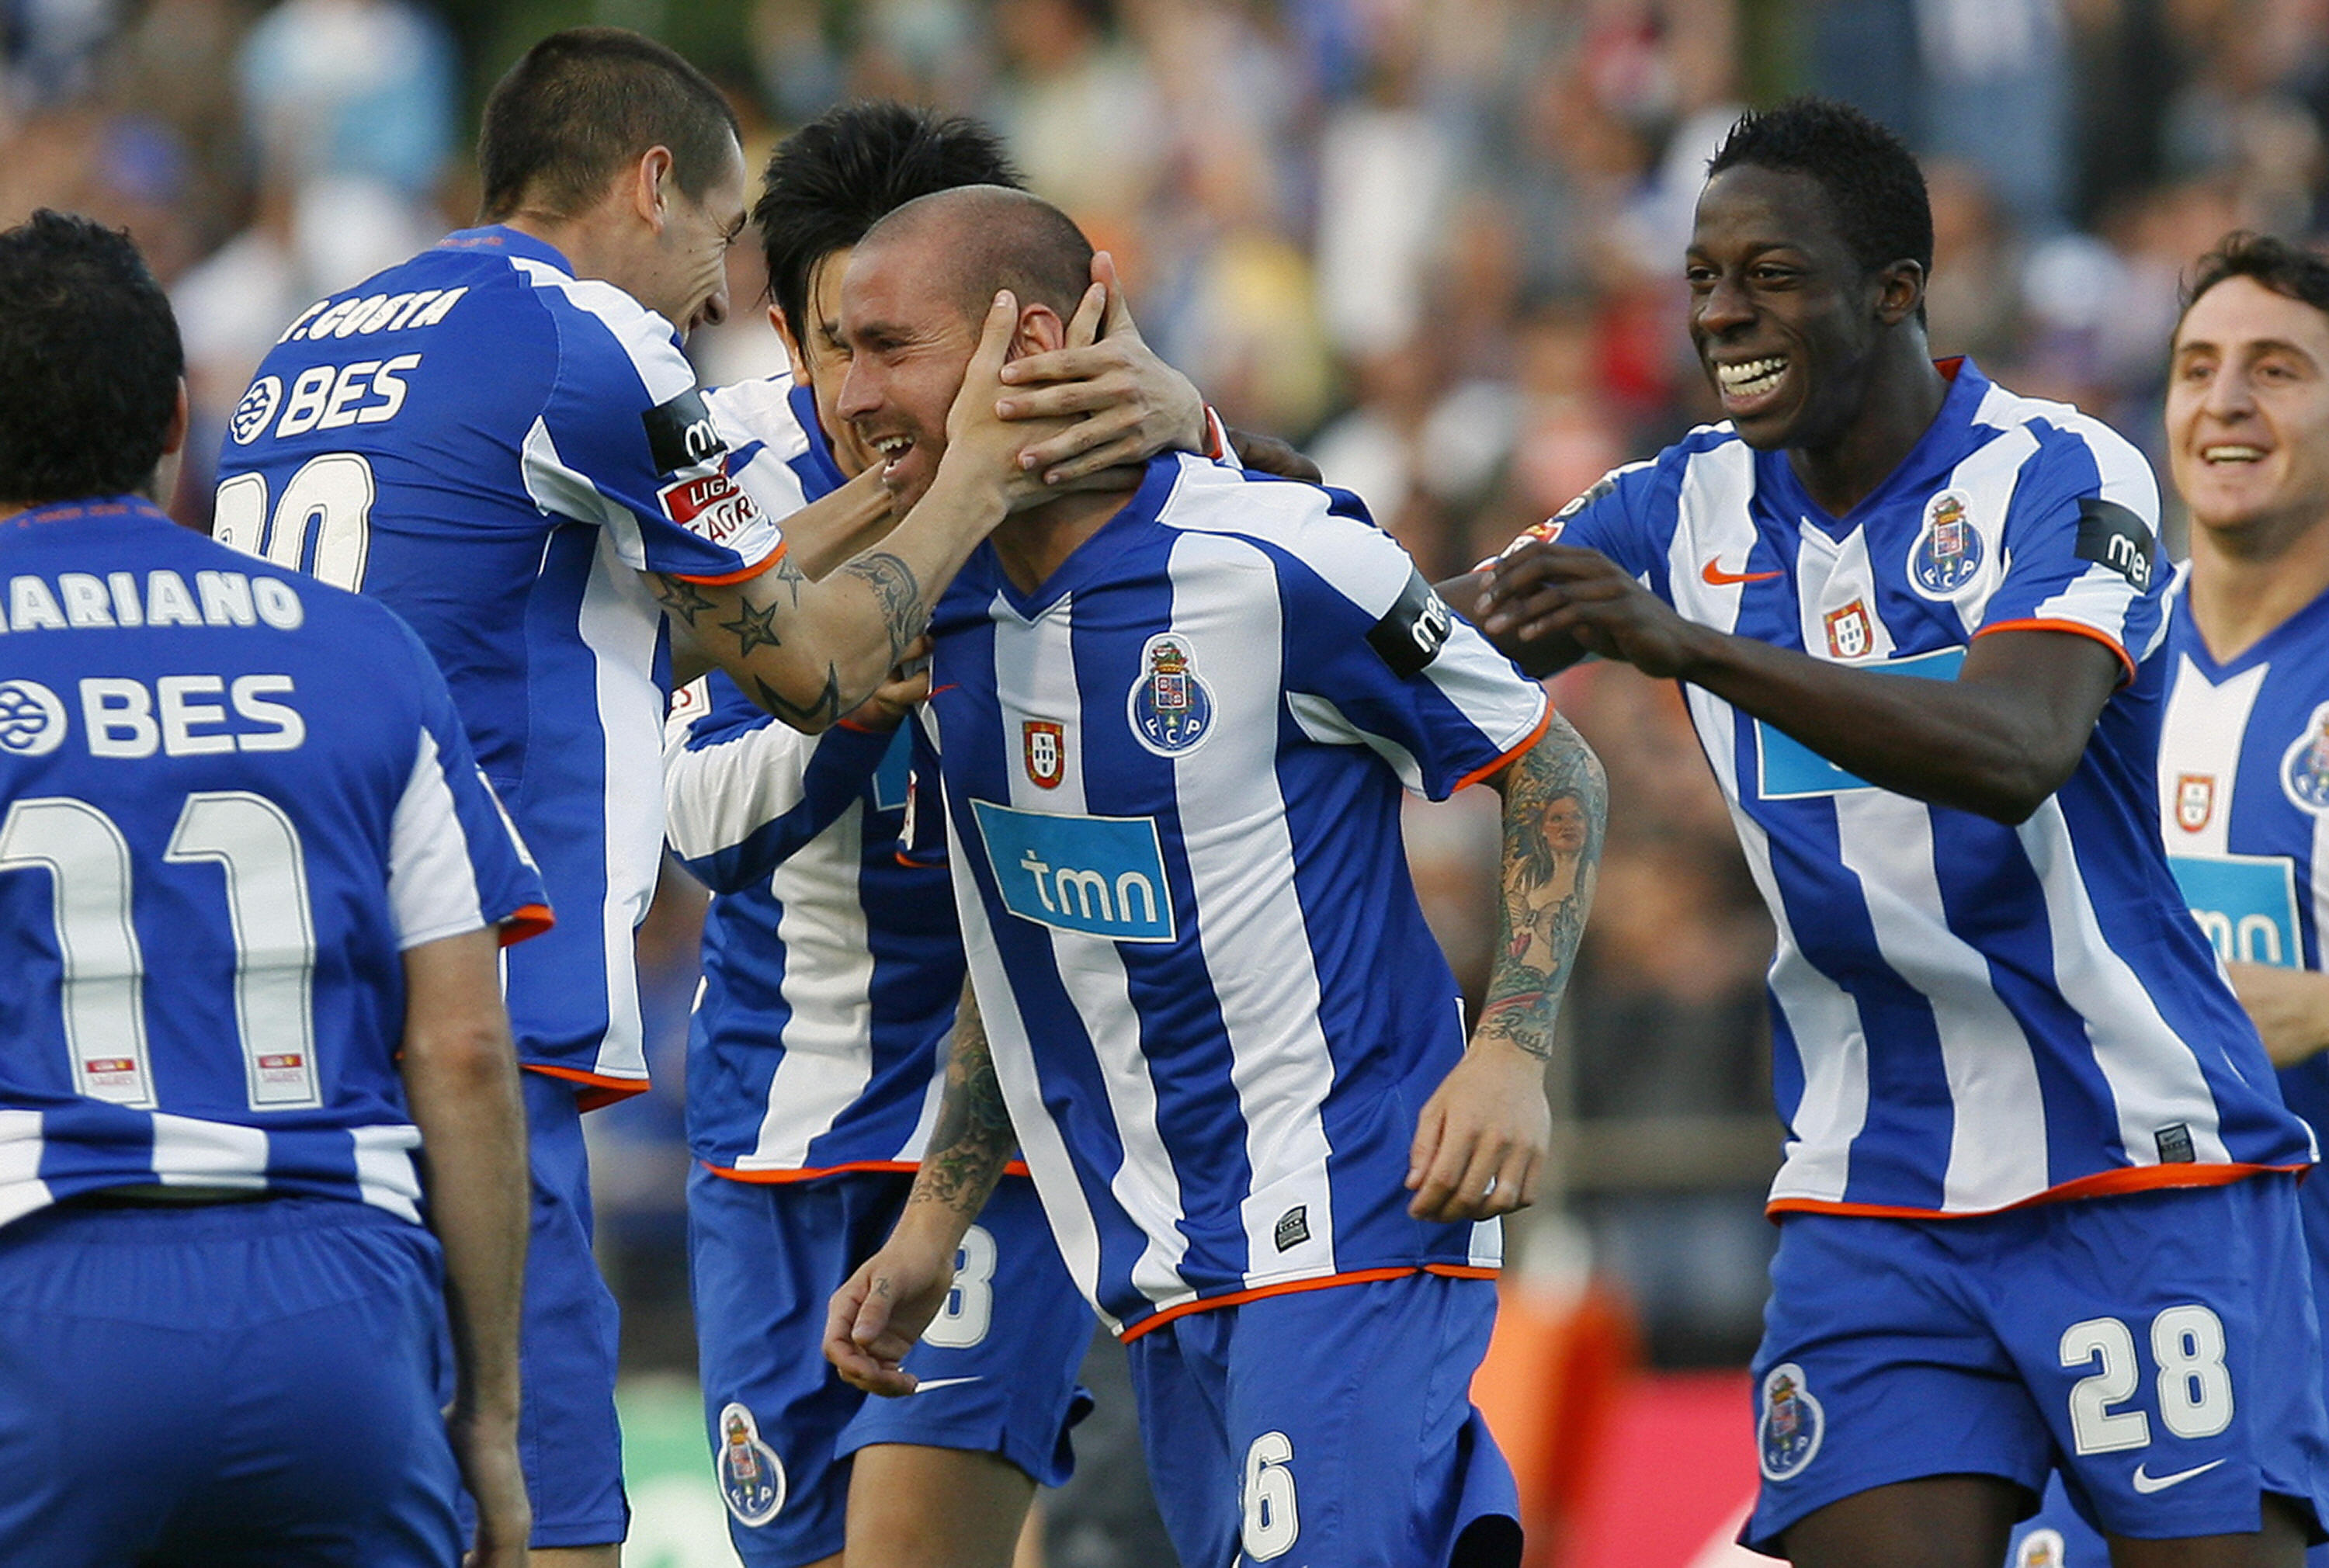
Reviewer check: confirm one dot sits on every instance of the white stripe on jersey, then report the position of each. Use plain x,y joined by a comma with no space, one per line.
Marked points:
22,1190
1716,524
1036,672
718,795
1997,1134
1041,1144
2210,722
432,888
1233,830
1988,478
188,1152
2155,1079
385,1173
563,491
1328,725
619,622
829,983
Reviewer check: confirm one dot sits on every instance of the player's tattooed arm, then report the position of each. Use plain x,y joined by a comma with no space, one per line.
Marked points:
973,1140
904,609
1482,1138
1556,806
880,1314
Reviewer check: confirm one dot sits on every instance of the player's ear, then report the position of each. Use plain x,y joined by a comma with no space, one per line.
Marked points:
647,181
792,344
1041,330
1900,291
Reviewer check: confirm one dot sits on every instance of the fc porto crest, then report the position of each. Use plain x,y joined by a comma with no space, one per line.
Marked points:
751,1478
1948,553
1170,706
2305,766
2195,800
1850,632
1788,1437
2040,1549
1044,745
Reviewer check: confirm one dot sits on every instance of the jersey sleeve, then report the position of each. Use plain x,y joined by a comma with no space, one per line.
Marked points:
2081,543
1379,660
625,440
456,862
1608,518
743,793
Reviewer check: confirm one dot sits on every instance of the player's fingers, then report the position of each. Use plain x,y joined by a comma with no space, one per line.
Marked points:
1063,395
1119,323
995,335
1085,326
1425,1147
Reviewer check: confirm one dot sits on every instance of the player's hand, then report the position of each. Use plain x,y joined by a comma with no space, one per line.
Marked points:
878,1316
487,1452
979,442
1133,405
1480,1143
2290,1008
1268,455
909,683
1541,590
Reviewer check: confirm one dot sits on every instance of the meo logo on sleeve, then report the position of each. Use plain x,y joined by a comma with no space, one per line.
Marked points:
1093,876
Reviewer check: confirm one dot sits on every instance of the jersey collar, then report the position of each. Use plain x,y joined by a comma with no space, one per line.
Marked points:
1089,561
507,241
1938,450
90,508
2308,626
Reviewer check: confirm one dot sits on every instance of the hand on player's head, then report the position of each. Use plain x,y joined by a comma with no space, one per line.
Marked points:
977,438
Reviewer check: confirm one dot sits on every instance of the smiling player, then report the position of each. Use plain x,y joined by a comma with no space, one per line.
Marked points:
2036,1208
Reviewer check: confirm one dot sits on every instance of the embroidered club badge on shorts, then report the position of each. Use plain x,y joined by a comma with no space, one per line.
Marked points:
2040,1549
1948,553
1788,1437
2305,766
751,1478
1044,745
1170,706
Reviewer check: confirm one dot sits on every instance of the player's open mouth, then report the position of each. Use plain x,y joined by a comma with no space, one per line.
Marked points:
1750,380
2230,453
892,450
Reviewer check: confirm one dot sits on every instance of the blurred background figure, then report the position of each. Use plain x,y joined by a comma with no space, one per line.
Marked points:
1434,243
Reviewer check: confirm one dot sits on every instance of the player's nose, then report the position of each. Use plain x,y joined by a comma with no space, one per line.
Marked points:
1723,308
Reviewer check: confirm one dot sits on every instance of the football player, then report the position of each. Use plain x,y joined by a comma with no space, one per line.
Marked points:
260,1120
2038,1206
1173,722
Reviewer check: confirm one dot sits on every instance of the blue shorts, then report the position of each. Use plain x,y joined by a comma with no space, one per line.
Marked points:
998,1366
568,1438
2056,1537
250,1383
2160,1348
1339,1419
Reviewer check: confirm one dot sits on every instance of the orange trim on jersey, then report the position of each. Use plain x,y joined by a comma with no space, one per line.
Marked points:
593,1089
1477,774
1288,1287
2101,1184
893,1167
2080,628
526,920
746,576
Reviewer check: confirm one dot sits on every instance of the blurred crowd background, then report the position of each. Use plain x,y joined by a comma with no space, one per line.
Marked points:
1434,243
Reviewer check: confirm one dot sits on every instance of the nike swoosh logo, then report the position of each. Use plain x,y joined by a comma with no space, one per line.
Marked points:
949,1382
2148,1483
1715,577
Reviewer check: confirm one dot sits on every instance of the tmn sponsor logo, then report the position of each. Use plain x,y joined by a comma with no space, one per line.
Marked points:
1093,876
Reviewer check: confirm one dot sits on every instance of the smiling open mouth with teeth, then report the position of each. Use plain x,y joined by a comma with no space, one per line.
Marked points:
1752,379
893,447
2230,453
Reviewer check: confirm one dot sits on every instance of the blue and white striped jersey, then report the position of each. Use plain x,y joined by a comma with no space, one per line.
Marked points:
495,451
1964,1015
832,962
1173,780
2244,801
230,798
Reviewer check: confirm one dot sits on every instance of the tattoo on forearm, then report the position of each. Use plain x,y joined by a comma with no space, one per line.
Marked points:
899,592
973,1140
1556,805
819,712
680,599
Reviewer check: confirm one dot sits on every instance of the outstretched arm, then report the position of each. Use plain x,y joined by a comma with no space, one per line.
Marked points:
810,652
1997,740
1481,1139
878,1316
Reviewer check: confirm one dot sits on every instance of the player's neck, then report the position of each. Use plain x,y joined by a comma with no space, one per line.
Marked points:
1903,397
1033,544
2246,581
